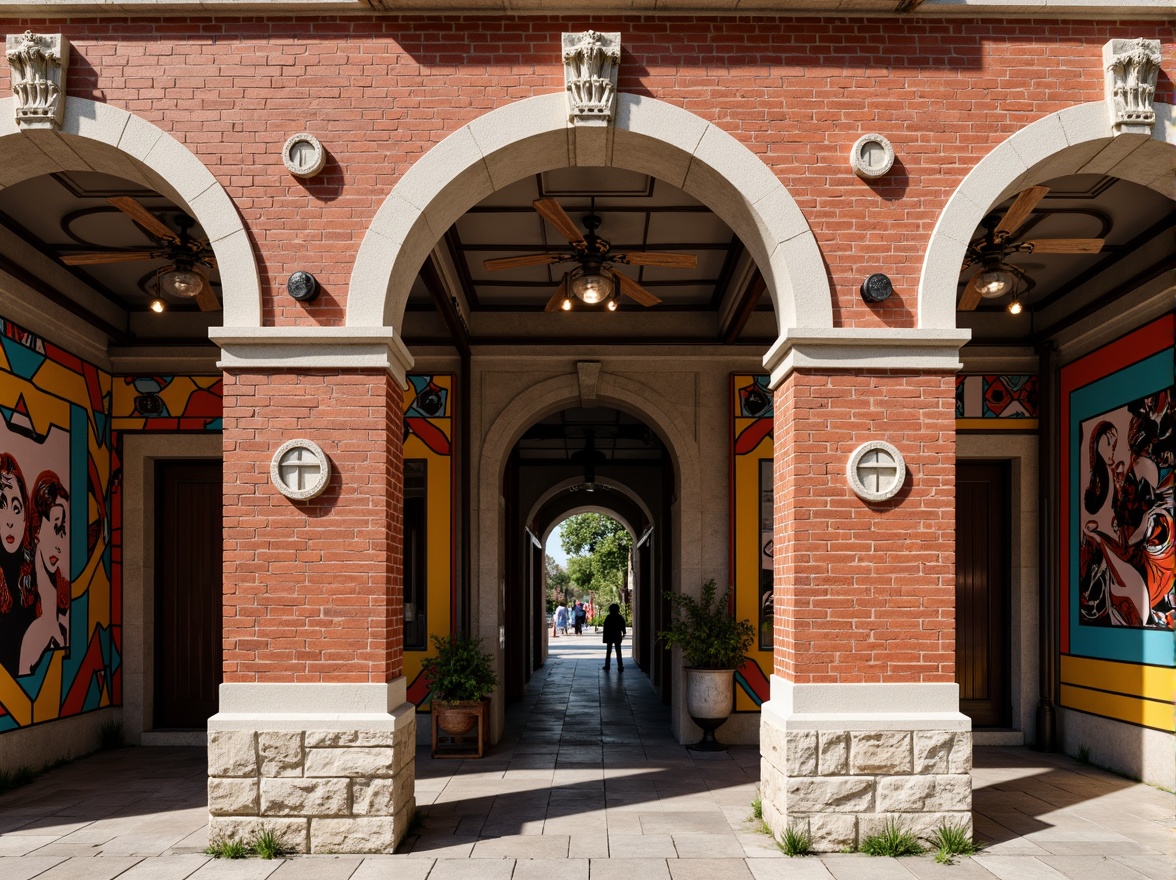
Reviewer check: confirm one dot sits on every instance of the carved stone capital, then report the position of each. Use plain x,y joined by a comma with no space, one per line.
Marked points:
1131,68
38,63
591,61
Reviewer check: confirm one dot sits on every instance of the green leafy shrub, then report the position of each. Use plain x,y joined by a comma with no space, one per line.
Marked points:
893,841
950,841
461,671
710,638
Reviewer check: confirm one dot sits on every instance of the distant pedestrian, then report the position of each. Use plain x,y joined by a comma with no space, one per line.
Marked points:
579,618
614,634
560,621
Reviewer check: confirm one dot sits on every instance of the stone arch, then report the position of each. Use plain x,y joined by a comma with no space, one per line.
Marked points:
100,137
574,507
1075,140
533,135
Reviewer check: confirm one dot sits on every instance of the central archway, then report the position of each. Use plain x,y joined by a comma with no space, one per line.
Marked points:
532,136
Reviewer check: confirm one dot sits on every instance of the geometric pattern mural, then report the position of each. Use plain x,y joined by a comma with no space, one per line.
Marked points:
995,402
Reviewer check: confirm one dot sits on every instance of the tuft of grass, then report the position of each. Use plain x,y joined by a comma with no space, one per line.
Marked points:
22,775
950,841
757,808
1083,755
227,848
268,844
111,736
893,840
796,842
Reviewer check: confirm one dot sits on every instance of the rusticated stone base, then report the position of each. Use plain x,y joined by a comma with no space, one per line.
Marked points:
841,778
325,783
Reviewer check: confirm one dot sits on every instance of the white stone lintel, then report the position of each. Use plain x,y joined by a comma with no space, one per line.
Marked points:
857,348
307,704
861,706
312,348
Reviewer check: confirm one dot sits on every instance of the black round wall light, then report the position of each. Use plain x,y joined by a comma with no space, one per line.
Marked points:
877,288
303,287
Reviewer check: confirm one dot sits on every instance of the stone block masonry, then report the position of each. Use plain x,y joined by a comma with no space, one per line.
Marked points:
321,791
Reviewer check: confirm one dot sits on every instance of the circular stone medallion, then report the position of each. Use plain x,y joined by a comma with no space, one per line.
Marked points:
872,156
303,155
876,471
300,469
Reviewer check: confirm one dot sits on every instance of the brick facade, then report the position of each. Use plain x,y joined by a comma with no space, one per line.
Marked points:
312,589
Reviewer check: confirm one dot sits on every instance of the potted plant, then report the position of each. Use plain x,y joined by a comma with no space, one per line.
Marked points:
714,644
460,678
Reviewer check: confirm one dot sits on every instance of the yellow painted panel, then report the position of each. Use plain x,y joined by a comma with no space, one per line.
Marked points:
48,704
1148,713
15,700
1153,682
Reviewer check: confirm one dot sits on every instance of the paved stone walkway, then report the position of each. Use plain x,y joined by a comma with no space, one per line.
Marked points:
586,785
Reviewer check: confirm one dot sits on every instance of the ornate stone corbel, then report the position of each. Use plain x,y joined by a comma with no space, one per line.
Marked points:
1131,70
38,63
590,61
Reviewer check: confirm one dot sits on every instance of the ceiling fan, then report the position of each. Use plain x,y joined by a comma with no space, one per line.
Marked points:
187,254
594,281
996,277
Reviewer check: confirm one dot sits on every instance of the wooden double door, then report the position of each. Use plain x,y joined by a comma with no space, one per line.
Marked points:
982,592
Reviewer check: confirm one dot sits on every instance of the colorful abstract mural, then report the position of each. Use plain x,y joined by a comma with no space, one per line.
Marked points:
993,402
429,474
1118,458
60,634
167,403
751,528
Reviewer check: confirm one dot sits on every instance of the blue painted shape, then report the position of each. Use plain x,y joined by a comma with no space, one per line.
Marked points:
93,695
1151,646
32,683
24,361
7,723
79,640
79,488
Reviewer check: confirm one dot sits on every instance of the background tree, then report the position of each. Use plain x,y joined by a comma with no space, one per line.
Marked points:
598,556
558,583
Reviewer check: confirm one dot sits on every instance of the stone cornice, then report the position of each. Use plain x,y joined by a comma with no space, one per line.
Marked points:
312,348
853,348
1050,9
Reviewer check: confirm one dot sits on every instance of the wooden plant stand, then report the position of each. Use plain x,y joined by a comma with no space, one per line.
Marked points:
470,720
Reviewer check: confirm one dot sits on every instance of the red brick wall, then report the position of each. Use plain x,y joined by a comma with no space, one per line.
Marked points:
313,589
864,592
380,91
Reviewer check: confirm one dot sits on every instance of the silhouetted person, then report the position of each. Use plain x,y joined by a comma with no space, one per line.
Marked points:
614,634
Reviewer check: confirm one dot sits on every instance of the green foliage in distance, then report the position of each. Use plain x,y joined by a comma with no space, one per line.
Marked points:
598,550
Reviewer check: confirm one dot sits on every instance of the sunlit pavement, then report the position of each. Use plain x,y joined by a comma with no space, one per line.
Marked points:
586,784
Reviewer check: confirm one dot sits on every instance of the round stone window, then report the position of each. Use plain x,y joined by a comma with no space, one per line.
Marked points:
876,471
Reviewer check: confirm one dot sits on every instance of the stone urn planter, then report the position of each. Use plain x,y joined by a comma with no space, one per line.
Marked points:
710,694
714,644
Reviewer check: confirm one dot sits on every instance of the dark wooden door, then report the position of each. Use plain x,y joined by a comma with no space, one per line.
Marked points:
982,592
188,604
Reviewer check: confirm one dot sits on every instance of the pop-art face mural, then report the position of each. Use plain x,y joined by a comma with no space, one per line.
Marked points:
1126,554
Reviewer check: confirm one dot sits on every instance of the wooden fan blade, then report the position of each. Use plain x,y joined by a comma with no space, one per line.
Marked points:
1020,210
557,217
1064,246
98,258
143,217
970,299
207,300
529,260
644,258
635,291
559,296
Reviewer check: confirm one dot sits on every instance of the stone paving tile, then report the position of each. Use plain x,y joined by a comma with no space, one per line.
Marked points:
450,846
172,867
473,869
789,869
21,844
707,846
1083,867
88,869
1013,868
926,868
1152,867
588,845
235,869
551,869
27,867
317,868
668,822
392,868
859,867
709,869
628,869
537,846
641,846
